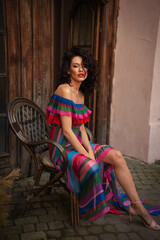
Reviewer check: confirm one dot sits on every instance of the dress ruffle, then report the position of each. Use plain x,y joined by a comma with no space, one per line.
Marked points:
59,106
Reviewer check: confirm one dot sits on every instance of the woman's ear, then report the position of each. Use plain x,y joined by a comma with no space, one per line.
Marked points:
68,71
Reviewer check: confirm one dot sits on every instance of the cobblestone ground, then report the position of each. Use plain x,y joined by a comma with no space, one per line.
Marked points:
48,217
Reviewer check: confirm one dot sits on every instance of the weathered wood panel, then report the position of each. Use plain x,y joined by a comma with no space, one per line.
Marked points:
13,46
26,45
42,52
106,63
30,43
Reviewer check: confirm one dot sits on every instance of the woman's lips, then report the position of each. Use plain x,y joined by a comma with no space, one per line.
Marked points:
80,75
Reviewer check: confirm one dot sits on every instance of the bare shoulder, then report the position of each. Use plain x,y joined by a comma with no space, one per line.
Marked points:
64,90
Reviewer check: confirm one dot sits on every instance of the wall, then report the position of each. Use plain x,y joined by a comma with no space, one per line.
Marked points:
154,121
133,79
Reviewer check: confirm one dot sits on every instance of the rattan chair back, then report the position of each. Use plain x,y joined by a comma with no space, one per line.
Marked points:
28,121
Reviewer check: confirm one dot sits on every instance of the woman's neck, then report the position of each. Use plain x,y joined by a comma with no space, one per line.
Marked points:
75,86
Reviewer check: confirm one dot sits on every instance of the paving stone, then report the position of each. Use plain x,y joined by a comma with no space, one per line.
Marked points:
91,237
123,228
47,205
134,236
53,234
73,238
95,229
148,234
38,212
85,223
100,221
82,231
36,205
29,228
34,236
41,226
55,225
107,236
123,236
68,223
11,230
12,237
52,210
69,232
109,229
61,216
45,218
26,220
9,222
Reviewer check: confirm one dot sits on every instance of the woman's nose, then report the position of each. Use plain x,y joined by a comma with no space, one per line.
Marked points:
80,68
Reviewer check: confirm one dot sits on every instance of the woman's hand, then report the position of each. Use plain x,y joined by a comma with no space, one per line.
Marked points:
91,155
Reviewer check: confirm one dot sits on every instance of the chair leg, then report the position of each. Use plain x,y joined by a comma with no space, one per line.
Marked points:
74,209
49,189
32,193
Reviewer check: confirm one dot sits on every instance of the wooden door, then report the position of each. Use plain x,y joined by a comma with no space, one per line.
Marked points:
84,33
93,26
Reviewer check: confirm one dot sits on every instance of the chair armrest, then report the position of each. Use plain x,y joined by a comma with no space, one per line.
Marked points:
57,145
89,134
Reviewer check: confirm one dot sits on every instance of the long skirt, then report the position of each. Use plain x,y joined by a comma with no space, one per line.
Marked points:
96,185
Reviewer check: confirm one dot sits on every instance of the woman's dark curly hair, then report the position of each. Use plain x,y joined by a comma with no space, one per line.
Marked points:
88,62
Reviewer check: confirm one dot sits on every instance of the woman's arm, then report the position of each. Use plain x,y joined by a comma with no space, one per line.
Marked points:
66,121
71,137
86,143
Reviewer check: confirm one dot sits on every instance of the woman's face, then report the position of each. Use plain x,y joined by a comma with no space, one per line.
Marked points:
77,70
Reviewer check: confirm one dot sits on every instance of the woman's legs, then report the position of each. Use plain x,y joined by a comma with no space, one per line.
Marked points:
124,177
122,173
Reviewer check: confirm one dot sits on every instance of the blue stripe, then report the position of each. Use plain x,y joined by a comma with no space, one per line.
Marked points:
65,101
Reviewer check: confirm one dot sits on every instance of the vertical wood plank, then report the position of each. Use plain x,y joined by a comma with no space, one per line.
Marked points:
25,19
13,32
106,62
26,47
41,52
103,93
13,46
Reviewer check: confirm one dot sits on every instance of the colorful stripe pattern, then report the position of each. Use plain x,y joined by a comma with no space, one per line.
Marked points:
93,181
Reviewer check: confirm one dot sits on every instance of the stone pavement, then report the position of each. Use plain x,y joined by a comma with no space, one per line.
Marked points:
48,217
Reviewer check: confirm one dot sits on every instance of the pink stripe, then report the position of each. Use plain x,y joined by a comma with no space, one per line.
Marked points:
80,161
99,214
109,195
86,168
90,199
103,154
59,134
75,115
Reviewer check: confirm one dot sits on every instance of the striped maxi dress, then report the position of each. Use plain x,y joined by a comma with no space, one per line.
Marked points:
93,181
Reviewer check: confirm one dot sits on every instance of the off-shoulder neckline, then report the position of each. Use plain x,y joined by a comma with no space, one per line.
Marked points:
77,104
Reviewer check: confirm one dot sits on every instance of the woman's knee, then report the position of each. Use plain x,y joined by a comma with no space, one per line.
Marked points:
116,158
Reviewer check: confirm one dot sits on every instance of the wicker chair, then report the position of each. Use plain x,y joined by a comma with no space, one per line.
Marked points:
28,122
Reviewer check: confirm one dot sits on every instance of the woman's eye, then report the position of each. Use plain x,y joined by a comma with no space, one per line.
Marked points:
75,66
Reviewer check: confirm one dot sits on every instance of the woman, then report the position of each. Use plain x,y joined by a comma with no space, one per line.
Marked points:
90,166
